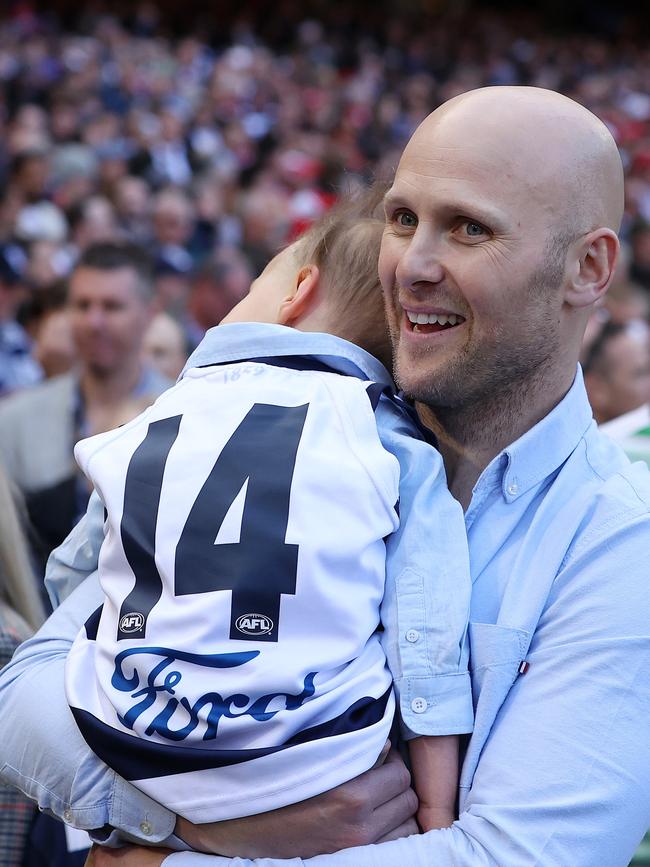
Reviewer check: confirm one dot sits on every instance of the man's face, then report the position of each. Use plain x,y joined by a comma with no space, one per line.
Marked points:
109,317
471,282
627,376
164,346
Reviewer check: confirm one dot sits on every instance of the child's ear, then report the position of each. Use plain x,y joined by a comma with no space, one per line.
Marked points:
303,297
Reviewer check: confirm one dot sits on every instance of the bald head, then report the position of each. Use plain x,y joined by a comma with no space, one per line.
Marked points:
500,238
558,151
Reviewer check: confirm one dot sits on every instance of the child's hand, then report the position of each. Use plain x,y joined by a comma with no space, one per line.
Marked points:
430,818
434,762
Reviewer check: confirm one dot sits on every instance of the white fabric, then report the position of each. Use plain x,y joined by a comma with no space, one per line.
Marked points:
343,492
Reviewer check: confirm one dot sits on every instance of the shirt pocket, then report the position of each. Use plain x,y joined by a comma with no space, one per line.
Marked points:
496,653
492,644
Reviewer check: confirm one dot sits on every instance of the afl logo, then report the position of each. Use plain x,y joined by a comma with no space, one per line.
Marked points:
131,622
254,624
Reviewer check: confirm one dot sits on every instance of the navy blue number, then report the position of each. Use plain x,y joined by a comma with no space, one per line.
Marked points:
261,566
138,527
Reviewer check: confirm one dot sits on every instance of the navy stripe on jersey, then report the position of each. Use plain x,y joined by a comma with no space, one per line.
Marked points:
292,362
138,527
136,759
92,624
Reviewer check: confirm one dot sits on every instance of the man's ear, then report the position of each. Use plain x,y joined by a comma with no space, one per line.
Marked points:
303,297
593,269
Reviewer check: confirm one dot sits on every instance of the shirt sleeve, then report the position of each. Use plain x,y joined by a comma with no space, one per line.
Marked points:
564,777
428,587
78,554
41,750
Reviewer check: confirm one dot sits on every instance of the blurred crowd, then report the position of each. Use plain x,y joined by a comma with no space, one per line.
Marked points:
213,155
210,151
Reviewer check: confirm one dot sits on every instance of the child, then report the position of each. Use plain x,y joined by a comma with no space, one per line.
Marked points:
256,516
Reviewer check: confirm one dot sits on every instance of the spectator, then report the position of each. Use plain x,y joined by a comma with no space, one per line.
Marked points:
173,218
617,369
29,176
132,201
640,270
627,302
92,221
21,613
222,281
632,432
17,367
110,306
165,346
47,320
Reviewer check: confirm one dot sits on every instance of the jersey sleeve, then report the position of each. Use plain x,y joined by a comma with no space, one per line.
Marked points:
425,610
76,557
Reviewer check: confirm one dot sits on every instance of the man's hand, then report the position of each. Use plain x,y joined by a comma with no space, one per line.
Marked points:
129,856
375,807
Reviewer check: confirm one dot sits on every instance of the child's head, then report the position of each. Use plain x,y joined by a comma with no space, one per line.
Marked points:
327,281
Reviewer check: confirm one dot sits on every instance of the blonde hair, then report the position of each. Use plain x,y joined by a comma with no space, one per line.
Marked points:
345,246
17,585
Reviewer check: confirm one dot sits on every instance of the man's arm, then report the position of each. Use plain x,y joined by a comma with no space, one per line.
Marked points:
379,805
41,750
564,777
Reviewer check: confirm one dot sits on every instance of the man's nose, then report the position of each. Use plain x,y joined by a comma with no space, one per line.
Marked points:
94,317
420,263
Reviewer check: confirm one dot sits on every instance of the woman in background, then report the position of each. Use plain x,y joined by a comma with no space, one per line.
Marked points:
21,613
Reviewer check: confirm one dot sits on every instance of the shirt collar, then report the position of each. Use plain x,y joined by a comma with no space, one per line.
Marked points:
544,448
238,341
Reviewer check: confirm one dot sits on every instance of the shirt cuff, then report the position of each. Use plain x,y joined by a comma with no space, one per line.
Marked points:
135,818
436,705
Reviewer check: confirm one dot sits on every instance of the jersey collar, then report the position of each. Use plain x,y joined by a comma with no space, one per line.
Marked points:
240,341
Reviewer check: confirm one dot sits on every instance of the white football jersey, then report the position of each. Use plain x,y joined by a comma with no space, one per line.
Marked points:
234,666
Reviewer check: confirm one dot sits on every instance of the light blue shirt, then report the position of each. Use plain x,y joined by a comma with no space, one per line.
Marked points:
557,772
425,636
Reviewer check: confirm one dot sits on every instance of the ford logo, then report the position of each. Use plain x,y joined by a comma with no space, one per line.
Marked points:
132,622
254,624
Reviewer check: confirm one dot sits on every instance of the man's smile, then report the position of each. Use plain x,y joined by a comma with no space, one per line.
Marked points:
431,322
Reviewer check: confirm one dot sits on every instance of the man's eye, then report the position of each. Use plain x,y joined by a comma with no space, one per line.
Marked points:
474,230
406,219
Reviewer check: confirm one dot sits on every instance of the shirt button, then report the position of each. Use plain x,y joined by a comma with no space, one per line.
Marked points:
419,705
146,828
513,487
412,635
67,815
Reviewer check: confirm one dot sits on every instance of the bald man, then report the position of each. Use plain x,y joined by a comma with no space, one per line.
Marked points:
500,237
